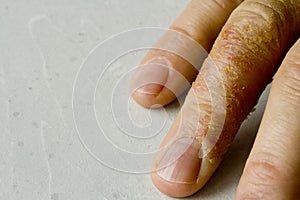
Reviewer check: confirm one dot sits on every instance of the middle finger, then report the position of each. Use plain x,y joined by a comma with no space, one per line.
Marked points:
246,53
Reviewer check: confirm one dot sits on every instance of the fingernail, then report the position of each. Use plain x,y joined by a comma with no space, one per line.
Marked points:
182,162
151,77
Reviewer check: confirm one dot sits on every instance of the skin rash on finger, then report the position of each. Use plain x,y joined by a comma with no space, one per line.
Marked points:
246,54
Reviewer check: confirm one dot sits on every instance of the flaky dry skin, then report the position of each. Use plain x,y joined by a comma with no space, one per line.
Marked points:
252,43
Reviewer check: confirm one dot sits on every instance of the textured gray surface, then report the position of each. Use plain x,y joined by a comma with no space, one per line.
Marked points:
43,44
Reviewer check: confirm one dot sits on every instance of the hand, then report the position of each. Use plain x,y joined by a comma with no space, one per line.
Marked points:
253,42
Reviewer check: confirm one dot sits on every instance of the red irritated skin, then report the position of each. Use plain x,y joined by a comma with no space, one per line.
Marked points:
246,55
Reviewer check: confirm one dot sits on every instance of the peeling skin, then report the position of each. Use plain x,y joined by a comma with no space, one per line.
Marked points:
251,44
248,50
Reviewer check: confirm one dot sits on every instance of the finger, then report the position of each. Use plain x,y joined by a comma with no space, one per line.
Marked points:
164,71
273,168
246,53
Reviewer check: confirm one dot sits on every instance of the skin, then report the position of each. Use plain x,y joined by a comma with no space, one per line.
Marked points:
247,48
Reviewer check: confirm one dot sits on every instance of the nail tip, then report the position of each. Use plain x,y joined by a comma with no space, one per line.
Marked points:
143,91
150,78
176,181
181,165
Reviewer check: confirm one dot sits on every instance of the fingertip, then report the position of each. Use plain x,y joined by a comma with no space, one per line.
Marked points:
153,100
177,190
145,100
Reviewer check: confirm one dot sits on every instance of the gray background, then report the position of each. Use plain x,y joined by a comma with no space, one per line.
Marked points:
42,46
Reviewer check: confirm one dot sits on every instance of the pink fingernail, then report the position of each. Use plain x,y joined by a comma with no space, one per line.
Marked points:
151,77
182,162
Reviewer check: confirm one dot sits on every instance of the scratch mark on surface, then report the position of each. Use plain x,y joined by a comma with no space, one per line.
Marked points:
12,170
43,125
44,63
6,129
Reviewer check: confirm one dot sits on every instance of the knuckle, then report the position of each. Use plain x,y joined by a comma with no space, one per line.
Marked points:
264,9
288,79
255,30
261,25
262,172
293,57
225,5
190,31
266,22
262,177
273,10
219,3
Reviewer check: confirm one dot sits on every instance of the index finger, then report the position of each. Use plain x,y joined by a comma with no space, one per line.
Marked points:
200,21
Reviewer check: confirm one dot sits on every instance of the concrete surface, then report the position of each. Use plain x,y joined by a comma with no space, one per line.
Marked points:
42,156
